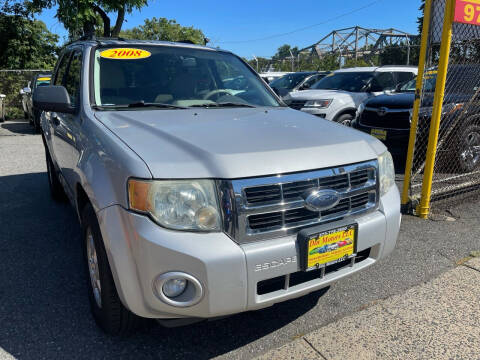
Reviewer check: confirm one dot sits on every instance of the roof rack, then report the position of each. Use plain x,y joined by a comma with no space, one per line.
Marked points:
92,37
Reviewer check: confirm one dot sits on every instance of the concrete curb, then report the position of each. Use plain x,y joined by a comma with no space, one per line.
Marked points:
439,319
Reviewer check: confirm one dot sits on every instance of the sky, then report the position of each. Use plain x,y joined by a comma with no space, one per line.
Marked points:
258,27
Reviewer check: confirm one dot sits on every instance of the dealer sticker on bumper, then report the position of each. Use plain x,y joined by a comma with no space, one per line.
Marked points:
331,246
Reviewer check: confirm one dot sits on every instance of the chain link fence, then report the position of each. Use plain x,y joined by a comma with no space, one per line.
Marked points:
11,81
457,151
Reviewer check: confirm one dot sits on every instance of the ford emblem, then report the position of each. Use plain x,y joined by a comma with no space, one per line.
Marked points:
319,200
382,111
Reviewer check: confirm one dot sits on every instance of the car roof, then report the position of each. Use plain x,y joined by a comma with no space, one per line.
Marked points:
130,42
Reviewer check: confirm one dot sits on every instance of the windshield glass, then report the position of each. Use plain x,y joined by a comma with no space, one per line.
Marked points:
429,84
347,81
288,81
178,76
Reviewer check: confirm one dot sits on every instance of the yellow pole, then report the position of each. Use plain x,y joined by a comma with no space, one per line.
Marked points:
416,106
424,207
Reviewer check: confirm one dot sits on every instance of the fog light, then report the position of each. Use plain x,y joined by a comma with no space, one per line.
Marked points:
174,287
178,289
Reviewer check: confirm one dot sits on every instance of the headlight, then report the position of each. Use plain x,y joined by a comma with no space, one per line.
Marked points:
325,103
387,172
177,204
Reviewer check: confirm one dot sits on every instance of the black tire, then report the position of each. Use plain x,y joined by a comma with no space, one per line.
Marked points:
107,309
345,119
467,149
56,188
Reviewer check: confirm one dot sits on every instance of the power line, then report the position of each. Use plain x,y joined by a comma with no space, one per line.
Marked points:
303,28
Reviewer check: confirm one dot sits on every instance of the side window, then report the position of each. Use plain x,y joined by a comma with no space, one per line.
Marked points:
383,81
72,78
403,77
312,80
62,68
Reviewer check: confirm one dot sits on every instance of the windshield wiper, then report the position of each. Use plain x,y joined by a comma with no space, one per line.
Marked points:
139,104
154,104
223,104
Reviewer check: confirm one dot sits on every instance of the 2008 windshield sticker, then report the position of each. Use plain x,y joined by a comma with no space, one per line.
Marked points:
125,54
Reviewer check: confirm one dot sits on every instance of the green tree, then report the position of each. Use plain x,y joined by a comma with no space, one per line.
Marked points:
420,19
91,16
26,43
164,30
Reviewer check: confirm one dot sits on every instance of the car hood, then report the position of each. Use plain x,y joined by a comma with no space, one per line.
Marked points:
236,143
392,101
406,100
320,94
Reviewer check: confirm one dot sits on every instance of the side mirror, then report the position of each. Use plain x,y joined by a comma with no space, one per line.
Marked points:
25,91
52,98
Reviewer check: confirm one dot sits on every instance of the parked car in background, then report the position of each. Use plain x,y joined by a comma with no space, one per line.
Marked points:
296,81
269,76
32,114
188,210
388,117
337,96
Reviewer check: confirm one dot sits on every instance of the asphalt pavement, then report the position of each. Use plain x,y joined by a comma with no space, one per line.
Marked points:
44,310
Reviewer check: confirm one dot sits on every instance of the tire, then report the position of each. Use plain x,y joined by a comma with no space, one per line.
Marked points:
56,188
107,309
345,119
467,151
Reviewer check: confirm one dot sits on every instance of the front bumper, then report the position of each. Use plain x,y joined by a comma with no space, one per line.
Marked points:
396,139
138,250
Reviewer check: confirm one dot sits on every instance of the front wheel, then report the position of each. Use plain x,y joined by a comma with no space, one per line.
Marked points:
107,309
467,153
345,119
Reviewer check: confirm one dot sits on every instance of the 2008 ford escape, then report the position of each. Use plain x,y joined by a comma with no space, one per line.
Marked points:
200,194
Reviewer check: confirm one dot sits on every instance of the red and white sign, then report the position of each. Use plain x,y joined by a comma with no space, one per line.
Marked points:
467,12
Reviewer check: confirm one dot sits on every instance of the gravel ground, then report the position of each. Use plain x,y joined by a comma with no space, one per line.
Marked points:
44,310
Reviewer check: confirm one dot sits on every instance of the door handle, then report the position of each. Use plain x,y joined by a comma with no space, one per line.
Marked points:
55,120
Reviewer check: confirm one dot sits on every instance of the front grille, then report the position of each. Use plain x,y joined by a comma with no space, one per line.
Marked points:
274,206
393,119
300,215
294,190
300,277
297,104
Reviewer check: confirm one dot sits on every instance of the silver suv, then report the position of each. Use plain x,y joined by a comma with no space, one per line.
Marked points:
200,196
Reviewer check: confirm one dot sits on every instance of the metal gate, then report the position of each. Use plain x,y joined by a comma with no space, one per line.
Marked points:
444,147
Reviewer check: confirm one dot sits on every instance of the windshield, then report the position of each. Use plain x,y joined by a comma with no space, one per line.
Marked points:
289,81
428,86
181,77
347,81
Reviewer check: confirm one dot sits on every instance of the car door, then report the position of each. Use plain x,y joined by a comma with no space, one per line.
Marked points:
68,124
58,123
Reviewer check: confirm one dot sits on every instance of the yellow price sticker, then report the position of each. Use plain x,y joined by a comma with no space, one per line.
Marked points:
125,54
